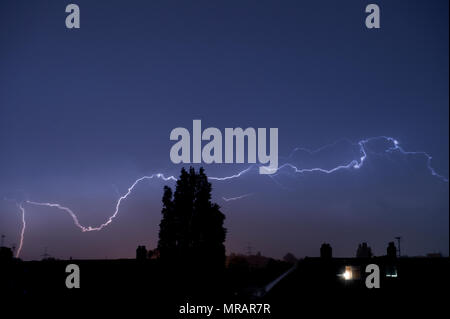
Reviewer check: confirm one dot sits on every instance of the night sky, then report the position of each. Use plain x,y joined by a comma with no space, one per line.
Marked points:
84,113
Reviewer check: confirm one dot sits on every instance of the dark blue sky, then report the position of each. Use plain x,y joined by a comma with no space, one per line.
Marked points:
85,112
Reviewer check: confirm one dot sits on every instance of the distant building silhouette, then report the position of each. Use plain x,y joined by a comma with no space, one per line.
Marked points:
392,250
6,254
363,251
290,258
258,260
141,253
326,251
250,261
153,254
237,262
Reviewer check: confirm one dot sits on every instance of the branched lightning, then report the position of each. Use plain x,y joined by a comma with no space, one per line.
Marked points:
116,211
428,157
230,199
226,178
354,164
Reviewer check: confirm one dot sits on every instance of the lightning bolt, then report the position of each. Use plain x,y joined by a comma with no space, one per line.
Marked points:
397,147
116,211
229,199
22,230
226,178
353,164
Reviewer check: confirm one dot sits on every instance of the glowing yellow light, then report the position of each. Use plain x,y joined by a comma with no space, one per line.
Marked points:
347,273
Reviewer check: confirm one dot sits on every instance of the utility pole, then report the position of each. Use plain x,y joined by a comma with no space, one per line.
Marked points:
45,255
3,240
249,249
399,238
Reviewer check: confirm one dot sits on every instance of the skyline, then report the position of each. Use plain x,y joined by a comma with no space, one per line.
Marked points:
353,164
85,113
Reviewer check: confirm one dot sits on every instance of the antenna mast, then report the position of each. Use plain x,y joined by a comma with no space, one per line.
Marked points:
399,238
249,249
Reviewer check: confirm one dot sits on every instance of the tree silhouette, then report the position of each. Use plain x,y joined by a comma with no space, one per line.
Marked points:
191,228
167,235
